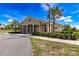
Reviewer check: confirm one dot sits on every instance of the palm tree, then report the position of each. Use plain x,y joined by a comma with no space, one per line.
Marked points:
48,16
56,13
15,24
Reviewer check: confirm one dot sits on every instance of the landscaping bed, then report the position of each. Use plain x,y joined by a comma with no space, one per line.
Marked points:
47,48
61,35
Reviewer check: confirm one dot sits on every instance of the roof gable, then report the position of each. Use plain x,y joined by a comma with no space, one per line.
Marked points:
30,20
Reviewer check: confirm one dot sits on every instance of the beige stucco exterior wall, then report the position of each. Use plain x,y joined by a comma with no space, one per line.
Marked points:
51,28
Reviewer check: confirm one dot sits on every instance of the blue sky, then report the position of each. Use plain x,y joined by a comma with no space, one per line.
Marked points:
20,11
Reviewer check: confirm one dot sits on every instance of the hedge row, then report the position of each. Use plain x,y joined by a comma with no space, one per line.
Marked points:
70,36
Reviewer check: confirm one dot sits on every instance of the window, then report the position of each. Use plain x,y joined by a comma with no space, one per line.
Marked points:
56,27
45,29
29,20
40,22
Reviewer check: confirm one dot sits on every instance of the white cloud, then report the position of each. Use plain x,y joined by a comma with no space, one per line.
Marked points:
72,26
76,26
53,4
68,20
10,20
8,16
76,11
68,17
62,18
46,8
16,17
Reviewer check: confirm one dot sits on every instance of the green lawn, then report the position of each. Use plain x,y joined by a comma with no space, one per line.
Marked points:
46,48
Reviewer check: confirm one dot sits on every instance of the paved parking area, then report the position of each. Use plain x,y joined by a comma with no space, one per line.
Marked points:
15,45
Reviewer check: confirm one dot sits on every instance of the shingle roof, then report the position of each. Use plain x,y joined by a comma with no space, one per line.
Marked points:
37,21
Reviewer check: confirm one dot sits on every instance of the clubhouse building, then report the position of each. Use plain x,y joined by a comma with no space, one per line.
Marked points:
30,25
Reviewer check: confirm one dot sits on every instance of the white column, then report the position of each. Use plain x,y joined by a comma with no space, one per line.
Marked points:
26,28
22,29
33,28
39,28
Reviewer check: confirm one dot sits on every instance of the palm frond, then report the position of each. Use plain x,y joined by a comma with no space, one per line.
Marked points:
53,11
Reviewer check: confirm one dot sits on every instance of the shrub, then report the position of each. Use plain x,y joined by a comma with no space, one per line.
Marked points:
73,37
58,35
67,32
66,36
34,33
77,34
61,35
49,34
53,35
40,34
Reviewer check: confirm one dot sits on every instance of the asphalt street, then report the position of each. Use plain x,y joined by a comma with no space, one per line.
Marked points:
15,45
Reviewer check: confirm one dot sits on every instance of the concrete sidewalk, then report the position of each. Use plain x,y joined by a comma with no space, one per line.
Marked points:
57,40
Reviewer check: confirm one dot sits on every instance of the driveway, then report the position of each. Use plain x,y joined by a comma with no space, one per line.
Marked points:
15,45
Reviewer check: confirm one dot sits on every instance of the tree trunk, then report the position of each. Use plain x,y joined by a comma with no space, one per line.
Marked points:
49,24
53,24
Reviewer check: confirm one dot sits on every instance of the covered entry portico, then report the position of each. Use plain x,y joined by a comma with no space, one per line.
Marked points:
30,28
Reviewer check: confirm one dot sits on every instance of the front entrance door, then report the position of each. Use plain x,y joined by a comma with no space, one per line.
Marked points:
35,28
30,29
24,29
